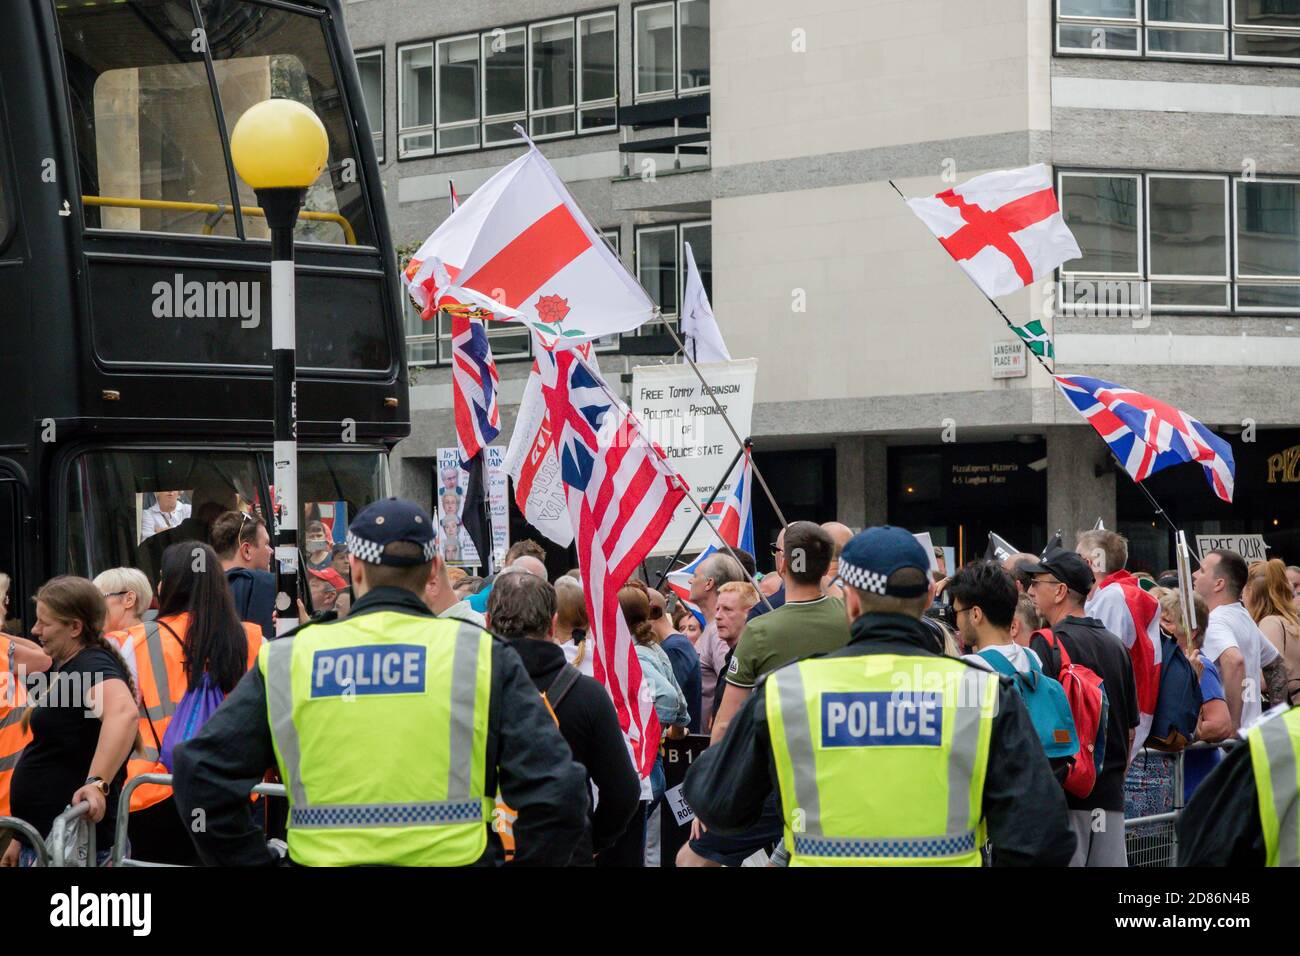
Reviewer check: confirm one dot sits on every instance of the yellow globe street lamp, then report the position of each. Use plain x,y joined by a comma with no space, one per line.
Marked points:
280,148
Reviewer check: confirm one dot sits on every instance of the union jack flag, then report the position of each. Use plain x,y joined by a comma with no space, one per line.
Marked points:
577,401
1148,435
621,494
474,387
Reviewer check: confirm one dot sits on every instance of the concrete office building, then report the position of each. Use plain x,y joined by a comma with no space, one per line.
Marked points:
766,132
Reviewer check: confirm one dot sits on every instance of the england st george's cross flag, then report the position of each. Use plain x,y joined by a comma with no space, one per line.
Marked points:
520,249
1005,229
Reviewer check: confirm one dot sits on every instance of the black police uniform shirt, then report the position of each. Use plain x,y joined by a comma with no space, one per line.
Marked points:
56,763
1220,825
1088,642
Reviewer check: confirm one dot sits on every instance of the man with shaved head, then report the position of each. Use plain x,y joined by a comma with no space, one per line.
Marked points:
840,535
1013,565
530,565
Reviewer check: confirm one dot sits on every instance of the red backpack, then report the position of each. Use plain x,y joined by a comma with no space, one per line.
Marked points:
1087,695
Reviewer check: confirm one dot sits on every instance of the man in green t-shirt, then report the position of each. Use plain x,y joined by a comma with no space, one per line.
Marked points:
809,622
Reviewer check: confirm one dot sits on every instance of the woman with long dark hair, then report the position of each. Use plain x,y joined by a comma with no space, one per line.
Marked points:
82,720
199,645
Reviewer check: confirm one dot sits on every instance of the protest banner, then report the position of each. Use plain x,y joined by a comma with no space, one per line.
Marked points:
1252,547
680,417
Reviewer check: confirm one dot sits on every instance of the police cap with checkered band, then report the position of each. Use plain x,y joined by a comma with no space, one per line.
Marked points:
873,556
388,522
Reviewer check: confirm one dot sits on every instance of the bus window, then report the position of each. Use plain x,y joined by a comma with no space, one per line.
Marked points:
4,201
260,52
148,145
333,487
125,507
12,609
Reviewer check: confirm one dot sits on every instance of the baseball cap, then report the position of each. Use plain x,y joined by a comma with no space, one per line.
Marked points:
330,577
388,522
873,556
1068,567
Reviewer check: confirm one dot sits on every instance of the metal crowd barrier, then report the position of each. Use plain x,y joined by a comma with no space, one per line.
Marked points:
1152,841
26,829
124,813
78,816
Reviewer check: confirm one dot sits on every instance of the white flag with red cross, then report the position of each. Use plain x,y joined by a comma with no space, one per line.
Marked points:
1005,228
519,249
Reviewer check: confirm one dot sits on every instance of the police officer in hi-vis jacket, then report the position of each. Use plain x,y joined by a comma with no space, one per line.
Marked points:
393,731
884,752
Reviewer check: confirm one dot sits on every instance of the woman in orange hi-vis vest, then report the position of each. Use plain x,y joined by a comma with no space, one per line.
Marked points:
197,632
18,658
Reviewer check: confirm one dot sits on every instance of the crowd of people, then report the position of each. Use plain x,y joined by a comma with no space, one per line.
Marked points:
124,676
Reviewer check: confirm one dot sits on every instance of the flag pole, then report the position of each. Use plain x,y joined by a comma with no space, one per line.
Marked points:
685,487
723,541
708,504
730,427
1155,504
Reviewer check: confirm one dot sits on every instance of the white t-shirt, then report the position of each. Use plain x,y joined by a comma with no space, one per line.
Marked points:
1230,625
1017,655
156,520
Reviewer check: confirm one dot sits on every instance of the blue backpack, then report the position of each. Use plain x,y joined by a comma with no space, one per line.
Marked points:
1049,708
1178,704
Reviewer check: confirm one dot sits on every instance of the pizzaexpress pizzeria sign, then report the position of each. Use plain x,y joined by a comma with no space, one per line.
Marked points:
1284,467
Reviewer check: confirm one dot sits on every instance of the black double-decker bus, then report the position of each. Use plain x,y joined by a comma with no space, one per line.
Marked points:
135,333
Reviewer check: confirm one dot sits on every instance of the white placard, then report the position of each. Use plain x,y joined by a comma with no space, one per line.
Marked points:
1249,546
928,543
682,811
678,415
1009,360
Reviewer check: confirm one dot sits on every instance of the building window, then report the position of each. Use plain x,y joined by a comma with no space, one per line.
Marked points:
458,93
505,84
1240,30
693,45
1268,245
658,265
1179,242
370,65
670,49
554,78
551,92
1188,235
661,262
614,236
415,100
421,336
598,72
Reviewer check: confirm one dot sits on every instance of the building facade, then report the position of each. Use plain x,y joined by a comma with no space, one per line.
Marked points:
775,138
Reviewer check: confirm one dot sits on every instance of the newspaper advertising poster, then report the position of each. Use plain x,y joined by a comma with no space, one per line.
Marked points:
450,485
679,415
